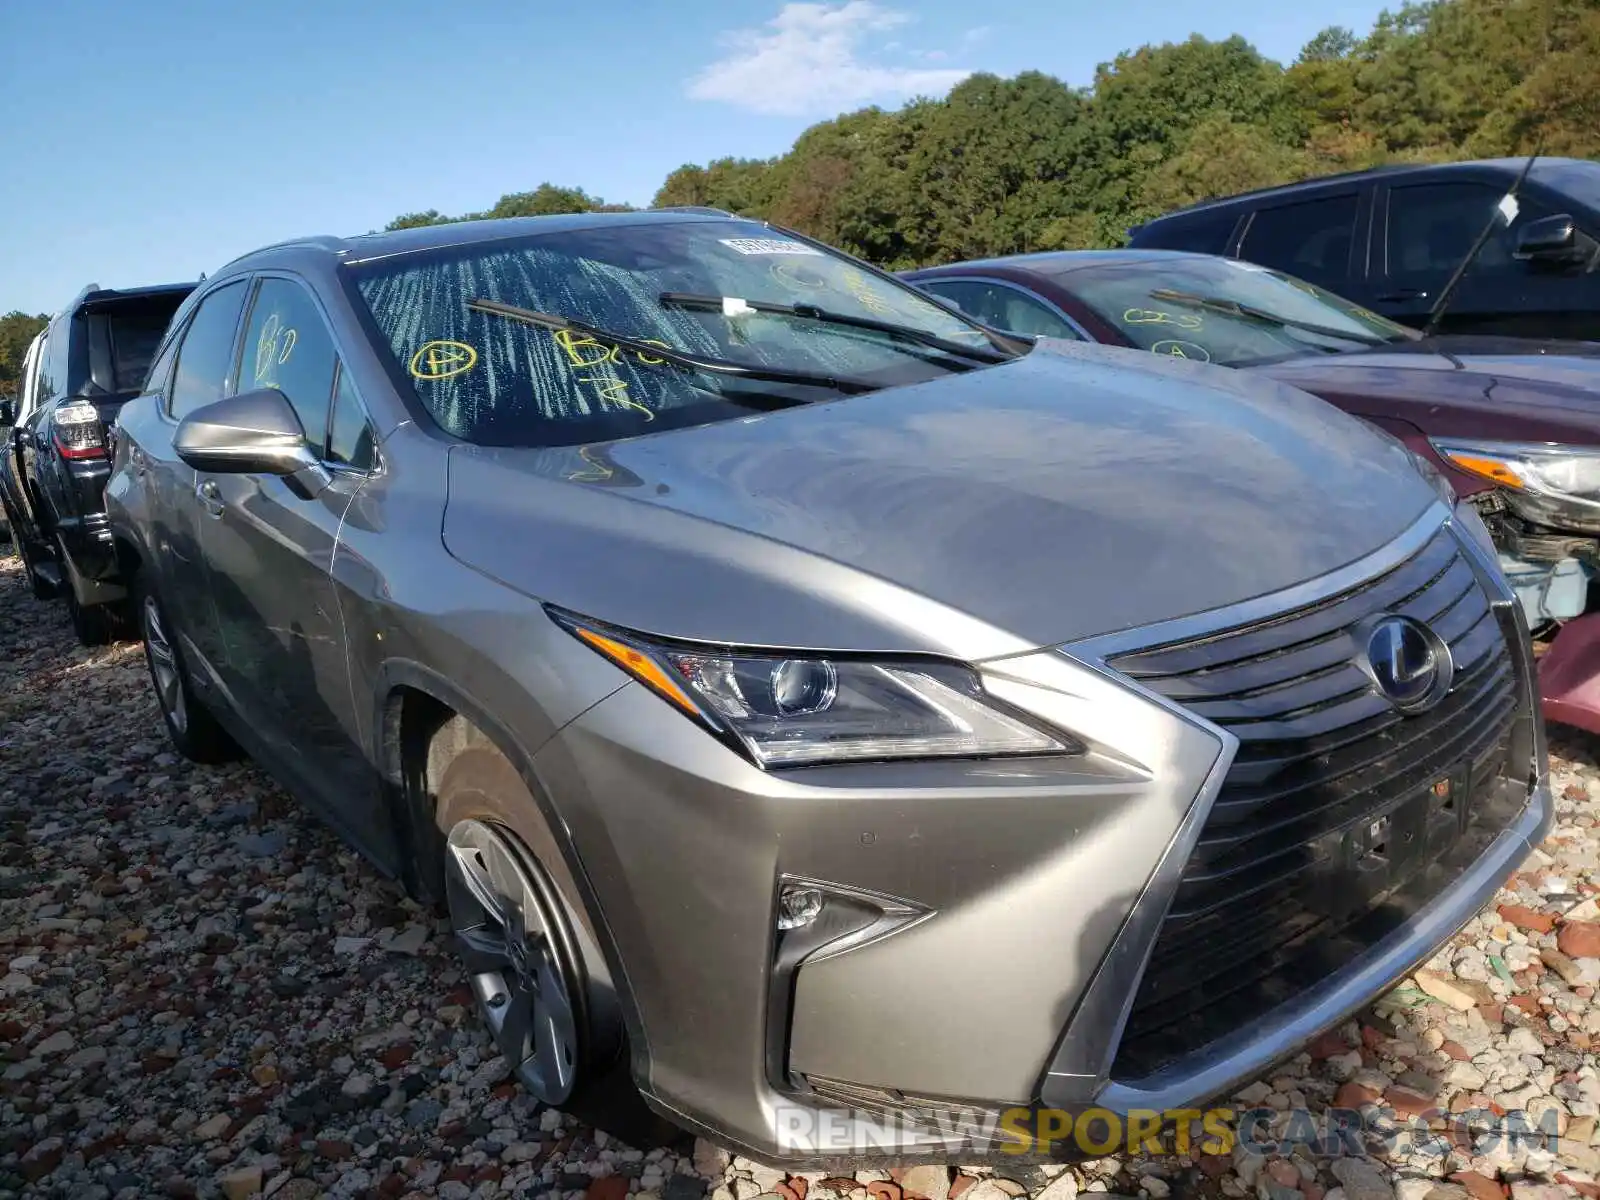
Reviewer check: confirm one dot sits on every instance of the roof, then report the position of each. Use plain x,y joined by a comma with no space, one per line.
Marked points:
363,247
1509,167
94,295
1057,262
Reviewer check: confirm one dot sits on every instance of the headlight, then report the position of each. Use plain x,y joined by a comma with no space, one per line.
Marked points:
800,710
1551,484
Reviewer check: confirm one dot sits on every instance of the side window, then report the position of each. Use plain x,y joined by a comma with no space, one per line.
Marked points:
30,380
206,356
287,346
349,435
1311,240
52,376
1433,225
156,381
1001,306
1203,235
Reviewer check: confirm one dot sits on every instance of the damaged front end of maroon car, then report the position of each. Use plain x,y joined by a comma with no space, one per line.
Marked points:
1541,505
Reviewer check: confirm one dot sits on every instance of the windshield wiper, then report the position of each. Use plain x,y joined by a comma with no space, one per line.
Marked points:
648,351
810,312
1234,308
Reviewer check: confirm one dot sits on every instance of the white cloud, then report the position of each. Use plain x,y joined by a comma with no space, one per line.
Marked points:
809,60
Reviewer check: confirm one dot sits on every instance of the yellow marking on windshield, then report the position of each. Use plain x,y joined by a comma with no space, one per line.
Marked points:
795,276
615,391
1176,349
575,344
1155,316
441,360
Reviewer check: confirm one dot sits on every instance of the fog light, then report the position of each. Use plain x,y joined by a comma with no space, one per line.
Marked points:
798,906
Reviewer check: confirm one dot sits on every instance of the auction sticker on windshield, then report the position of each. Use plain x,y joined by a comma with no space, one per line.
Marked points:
768,246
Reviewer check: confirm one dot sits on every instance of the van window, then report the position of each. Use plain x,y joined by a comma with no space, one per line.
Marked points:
1202,235
1311,240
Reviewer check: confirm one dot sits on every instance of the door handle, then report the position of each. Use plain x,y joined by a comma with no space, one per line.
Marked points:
211,497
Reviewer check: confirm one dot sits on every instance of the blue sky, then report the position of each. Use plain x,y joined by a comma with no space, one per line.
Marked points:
150,141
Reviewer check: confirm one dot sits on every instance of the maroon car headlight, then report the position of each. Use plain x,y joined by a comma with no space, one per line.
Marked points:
792,710
1544,482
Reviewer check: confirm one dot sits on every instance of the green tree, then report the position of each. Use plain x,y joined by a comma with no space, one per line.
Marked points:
1000,166
17,330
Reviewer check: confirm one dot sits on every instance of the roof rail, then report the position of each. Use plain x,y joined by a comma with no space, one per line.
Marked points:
1380,169
694,208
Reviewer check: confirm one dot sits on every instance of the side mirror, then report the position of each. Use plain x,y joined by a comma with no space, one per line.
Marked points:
1549,239
253,433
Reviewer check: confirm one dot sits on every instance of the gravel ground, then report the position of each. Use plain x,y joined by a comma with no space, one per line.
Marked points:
203,993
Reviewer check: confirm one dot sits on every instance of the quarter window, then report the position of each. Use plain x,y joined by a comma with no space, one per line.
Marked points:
160,374
287,346
349,435
206,357
1001,306
1311,240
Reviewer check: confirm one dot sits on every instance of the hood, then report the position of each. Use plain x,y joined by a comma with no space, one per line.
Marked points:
1509,388
1080,490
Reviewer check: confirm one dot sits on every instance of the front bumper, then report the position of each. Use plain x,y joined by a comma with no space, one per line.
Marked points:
994,919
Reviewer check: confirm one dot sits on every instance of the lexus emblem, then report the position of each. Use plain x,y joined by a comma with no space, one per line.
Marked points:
1408,662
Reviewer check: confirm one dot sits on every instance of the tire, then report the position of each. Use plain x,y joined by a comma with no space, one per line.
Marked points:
30,562
480,799
94,624
195,733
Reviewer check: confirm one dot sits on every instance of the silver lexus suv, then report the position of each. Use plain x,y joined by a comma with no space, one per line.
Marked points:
747,650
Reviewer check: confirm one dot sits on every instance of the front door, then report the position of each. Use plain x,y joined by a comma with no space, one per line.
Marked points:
1429,230
270,551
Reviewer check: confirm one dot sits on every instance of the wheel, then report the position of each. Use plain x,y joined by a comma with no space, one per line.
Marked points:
525,964
195,733
507,931
30,561
95,624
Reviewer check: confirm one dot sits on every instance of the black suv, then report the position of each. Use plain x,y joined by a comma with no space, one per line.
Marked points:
92,357
1391,238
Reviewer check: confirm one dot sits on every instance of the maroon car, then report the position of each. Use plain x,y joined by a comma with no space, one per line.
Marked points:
1512,423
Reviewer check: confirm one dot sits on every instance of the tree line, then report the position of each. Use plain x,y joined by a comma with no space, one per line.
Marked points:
1003,166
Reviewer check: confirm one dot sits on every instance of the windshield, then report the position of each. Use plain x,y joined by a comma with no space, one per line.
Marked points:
1178,306
503,382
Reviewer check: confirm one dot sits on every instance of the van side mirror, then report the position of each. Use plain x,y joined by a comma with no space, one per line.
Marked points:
1549,239
253,433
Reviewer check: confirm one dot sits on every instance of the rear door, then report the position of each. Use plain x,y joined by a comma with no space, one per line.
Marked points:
1429,227
1321,239
269,556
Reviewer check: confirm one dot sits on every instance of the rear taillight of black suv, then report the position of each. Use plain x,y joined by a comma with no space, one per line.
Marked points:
78,431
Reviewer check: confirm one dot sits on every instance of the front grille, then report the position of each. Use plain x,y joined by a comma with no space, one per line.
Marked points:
1339,817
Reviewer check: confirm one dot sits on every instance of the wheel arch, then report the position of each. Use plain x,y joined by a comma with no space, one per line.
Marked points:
415,709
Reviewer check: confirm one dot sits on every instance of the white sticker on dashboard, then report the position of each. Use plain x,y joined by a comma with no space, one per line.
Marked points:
768,246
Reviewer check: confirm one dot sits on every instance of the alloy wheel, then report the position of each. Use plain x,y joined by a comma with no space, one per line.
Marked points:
509,937
164,667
